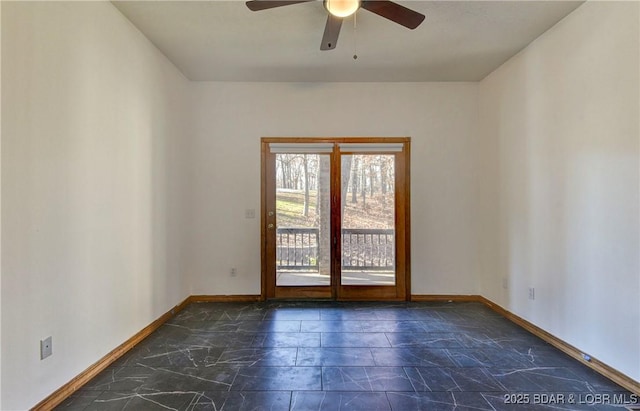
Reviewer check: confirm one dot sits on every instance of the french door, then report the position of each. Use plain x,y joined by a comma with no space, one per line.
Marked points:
335,218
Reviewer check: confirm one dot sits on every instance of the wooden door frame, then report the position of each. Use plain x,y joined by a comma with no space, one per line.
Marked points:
402,290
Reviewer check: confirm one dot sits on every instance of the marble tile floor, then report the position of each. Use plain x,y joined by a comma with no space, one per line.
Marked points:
345,356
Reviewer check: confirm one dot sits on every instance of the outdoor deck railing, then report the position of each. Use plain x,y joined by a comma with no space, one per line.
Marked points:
368,249
297,249
362,249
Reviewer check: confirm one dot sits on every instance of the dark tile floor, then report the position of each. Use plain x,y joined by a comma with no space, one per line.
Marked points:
344,356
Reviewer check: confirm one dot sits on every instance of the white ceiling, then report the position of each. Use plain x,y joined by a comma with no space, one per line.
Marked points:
225,41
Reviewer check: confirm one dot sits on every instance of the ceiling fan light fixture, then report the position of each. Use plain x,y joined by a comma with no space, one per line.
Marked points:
342,8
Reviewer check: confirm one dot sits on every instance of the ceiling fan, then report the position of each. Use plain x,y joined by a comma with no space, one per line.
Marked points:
339,9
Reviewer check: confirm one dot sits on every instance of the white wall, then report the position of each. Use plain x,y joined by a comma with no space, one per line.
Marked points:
563,120
0,215
230,118
93,118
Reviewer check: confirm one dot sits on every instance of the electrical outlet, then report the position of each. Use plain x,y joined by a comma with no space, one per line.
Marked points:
250,213
532,293
46,348
505,282
233,272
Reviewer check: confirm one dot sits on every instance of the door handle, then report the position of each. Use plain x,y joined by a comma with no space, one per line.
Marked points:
270,226
270,213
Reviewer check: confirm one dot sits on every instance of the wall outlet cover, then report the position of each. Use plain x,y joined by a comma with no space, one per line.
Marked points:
46,348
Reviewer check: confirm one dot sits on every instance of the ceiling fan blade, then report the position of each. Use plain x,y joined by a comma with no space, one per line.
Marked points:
257,5
331,32
394,12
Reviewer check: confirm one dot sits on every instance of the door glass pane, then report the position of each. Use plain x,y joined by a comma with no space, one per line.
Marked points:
368,220
303,209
